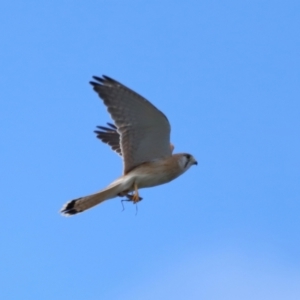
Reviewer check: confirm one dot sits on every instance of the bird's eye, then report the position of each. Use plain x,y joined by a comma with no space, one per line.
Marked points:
188,156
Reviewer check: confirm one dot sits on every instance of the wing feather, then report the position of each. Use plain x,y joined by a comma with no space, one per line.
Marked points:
144,130
109,135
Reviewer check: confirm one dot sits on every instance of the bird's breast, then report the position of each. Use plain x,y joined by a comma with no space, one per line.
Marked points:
156,172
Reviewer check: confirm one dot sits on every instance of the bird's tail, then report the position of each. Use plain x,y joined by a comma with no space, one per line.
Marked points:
81,204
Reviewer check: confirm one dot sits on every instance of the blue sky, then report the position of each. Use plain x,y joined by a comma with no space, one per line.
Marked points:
226,73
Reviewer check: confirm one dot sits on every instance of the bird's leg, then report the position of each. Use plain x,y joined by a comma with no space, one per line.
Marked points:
128,196
135,197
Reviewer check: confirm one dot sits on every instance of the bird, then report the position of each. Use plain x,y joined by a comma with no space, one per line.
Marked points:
141,136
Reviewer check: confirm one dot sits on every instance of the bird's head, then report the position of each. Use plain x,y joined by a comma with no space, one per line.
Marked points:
186,161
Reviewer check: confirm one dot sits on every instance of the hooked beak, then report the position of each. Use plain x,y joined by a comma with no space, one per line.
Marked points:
194,161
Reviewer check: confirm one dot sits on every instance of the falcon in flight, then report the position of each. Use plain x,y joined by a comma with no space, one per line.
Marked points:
141,136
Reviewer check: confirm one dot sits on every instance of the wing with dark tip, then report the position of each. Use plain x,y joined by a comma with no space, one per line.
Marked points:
109,135
144,130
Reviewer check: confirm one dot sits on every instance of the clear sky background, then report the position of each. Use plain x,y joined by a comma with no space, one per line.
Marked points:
227,75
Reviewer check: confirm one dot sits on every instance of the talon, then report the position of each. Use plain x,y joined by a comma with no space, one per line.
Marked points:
130,198
135,197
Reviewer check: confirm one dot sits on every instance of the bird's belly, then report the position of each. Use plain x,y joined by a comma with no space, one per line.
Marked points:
156,176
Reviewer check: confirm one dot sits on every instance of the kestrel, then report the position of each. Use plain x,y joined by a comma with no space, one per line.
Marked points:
141,136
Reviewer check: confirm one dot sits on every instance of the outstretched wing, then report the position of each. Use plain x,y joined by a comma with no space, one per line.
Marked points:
144,130
109,135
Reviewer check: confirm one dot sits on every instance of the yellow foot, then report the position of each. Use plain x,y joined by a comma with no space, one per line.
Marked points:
135,196
130,197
